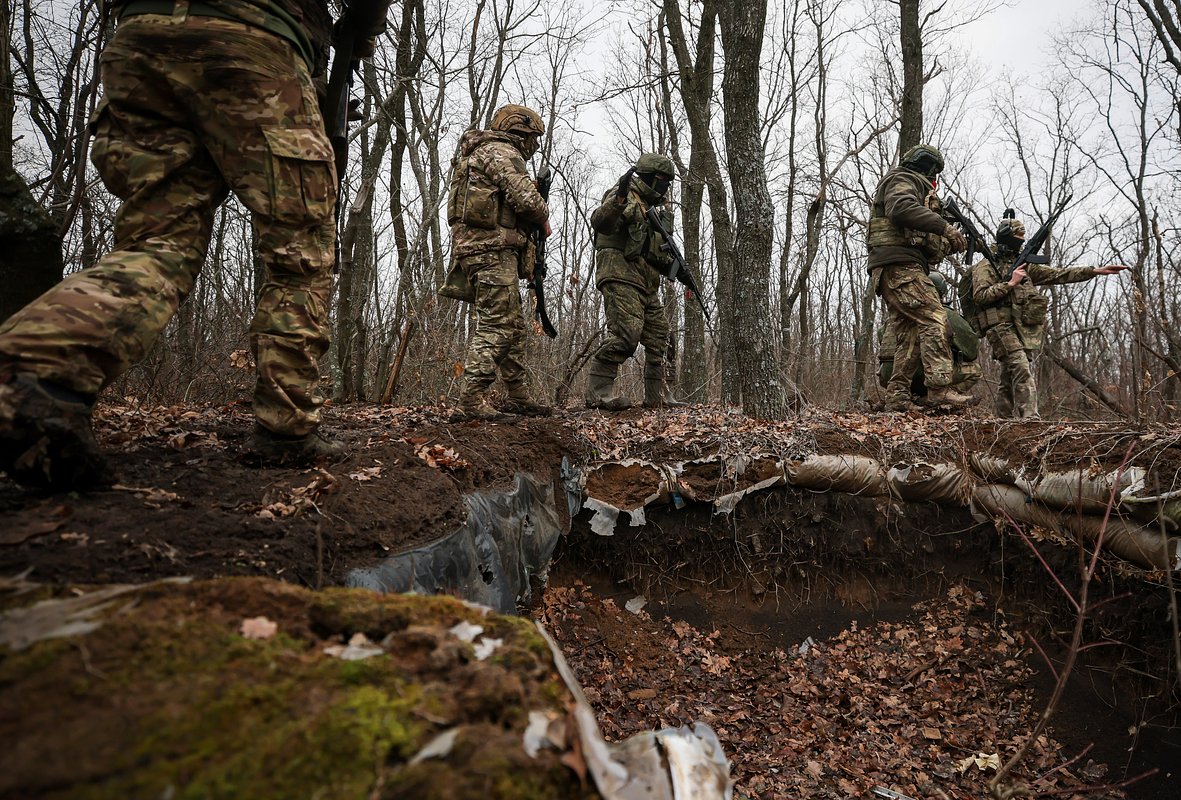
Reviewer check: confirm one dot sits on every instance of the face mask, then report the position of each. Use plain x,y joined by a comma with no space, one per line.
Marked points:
660,186
1010,242
530,145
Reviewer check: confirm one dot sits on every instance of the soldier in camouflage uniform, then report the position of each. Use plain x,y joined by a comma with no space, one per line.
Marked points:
492,207
907,236
1011,313
201,98
628,264
964,342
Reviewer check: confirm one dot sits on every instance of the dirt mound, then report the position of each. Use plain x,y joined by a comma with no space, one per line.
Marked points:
169,697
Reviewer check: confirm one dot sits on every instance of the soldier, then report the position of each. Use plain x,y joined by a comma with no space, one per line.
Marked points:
492,207
628,265
965,349
907,236
1011,313
200,99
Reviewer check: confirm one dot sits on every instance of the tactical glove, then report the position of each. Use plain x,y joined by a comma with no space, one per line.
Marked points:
956,239
624,184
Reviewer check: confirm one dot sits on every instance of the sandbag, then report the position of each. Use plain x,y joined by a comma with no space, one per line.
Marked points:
850,474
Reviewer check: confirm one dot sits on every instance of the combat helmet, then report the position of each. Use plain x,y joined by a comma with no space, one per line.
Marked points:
923,158
940,283
513,118
655,163
1010,233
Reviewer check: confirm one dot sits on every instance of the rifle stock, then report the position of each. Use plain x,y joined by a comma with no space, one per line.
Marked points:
679,271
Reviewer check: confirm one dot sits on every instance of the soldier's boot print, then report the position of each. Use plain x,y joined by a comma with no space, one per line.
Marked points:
46,436
519,402
275,449
600,388
948,398
656,393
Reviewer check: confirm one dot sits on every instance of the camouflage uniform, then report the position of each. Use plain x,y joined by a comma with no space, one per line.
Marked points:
196,106
906,237
1013,320
629,263
492,206
963,340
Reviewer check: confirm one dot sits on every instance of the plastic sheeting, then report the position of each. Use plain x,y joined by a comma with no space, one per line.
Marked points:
507,538
1128,540
1074,501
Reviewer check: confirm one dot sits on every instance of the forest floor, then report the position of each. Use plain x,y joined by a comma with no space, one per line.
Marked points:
916,688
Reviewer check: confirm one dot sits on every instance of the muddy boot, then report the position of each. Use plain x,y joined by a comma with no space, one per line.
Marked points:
46,436
656,394
474,405
519,402
944,397
900,405
280,450
600,388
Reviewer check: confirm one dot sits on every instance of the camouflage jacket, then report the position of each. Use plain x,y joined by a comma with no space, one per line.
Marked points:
305,23
904,226
627,249
995,301
492,203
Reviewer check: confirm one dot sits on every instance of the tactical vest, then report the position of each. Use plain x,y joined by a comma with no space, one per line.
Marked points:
1024,305
635,238
885,233
475,200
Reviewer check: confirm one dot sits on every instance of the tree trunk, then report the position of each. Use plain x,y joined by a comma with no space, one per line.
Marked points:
912,77
742,27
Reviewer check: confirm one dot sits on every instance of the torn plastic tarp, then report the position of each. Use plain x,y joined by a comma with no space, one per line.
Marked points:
1127,540
623,486
670,764
938,483
507,538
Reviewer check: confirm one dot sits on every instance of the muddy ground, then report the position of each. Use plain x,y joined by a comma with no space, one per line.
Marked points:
185,504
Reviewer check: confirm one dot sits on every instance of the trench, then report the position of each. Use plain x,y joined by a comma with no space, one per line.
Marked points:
767,564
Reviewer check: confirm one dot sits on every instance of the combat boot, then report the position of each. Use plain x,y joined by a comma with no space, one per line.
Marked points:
900,404
600,388
948,398
280,450
656,394
46,436
474,405
519,402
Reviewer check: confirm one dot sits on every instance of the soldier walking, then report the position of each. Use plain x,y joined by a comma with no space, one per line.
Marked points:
1011,313
907,236
200,98
629,261
492,207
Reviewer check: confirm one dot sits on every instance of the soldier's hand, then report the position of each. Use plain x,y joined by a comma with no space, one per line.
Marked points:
625,183
1111,269
956,239
1018,276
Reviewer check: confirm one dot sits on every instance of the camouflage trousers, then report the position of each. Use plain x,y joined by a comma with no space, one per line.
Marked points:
193,109
965,373
498,344
1017,396
920,325
634,317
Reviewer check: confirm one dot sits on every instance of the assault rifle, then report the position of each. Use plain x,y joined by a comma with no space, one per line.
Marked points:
679,271
544,179
1029,253
975,239
359,22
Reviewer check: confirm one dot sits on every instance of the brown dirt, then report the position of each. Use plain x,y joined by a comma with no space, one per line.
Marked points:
185,504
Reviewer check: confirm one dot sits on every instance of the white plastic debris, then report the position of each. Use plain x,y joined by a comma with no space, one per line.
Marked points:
486,647
805,646
537,734
636,604
466,632
439,747
258,628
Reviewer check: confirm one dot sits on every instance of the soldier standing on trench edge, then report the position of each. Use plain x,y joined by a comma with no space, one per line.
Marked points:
200,98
